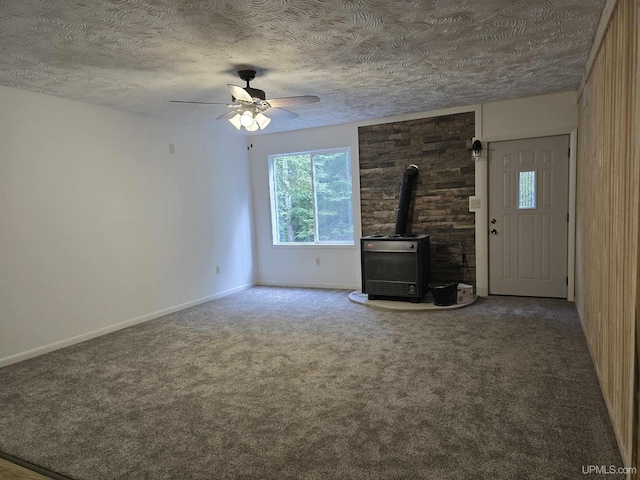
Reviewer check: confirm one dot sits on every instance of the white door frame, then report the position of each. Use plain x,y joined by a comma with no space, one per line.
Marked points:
482,214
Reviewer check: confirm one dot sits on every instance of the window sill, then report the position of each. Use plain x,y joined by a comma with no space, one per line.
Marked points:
315,246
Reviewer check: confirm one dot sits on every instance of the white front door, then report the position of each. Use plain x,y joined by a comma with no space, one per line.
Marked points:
528,216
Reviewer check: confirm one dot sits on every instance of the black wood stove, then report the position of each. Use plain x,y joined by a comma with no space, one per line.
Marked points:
397,266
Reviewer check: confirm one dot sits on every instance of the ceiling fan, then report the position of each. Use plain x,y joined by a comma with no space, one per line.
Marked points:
249,105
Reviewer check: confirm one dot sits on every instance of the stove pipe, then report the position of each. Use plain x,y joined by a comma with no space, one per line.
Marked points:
408,176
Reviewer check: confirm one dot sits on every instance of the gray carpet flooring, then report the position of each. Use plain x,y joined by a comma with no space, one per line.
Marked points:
285,383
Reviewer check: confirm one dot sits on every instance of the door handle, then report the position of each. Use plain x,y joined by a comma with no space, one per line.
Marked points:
494,231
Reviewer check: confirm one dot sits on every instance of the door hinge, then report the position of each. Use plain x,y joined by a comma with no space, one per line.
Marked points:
567,218
567,280
569,152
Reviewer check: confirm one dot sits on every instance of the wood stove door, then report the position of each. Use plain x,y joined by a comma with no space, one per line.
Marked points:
528,215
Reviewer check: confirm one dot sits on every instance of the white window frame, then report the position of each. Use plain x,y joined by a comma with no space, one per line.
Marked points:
274,208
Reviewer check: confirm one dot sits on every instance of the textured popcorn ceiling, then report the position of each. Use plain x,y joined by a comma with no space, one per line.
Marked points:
363,58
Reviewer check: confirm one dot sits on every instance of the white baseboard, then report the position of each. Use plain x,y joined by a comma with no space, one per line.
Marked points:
332,286
118,326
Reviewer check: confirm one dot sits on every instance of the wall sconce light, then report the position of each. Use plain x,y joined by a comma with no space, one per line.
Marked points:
476,149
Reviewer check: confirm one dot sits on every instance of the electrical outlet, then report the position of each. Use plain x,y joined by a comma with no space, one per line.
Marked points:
217,270
317,260
475,203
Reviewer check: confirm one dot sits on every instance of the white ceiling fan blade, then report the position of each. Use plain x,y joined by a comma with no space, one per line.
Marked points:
280,113
201,103
291,101
239,93
226,116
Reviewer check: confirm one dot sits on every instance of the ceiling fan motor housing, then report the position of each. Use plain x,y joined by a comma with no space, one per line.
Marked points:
247,75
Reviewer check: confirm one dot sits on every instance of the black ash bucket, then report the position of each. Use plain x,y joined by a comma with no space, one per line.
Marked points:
444,294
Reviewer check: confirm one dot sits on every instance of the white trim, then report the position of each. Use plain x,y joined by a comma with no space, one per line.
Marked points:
112,328
357,203
571,232
332,286
315,246
482,223
522,136
419,115
482,214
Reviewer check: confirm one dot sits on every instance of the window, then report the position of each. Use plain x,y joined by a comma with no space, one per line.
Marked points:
527,190
311,197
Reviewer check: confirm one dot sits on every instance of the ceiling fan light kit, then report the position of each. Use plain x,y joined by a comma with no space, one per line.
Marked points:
262,120
246,119
249,105
250,121
235,121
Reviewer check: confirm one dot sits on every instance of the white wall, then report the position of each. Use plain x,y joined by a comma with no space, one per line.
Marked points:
529,117
340,267
296,265
101,226
538,116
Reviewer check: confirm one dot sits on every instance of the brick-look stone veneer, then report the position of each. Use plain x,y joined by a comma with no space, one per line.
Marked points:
439,146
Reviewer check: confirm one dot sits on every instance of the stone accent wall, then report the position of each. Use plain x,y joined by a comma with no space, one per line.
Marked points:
439,146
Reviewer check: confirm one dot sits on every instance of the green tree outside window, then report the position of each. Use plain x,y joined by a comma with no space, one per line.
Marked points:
311,193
